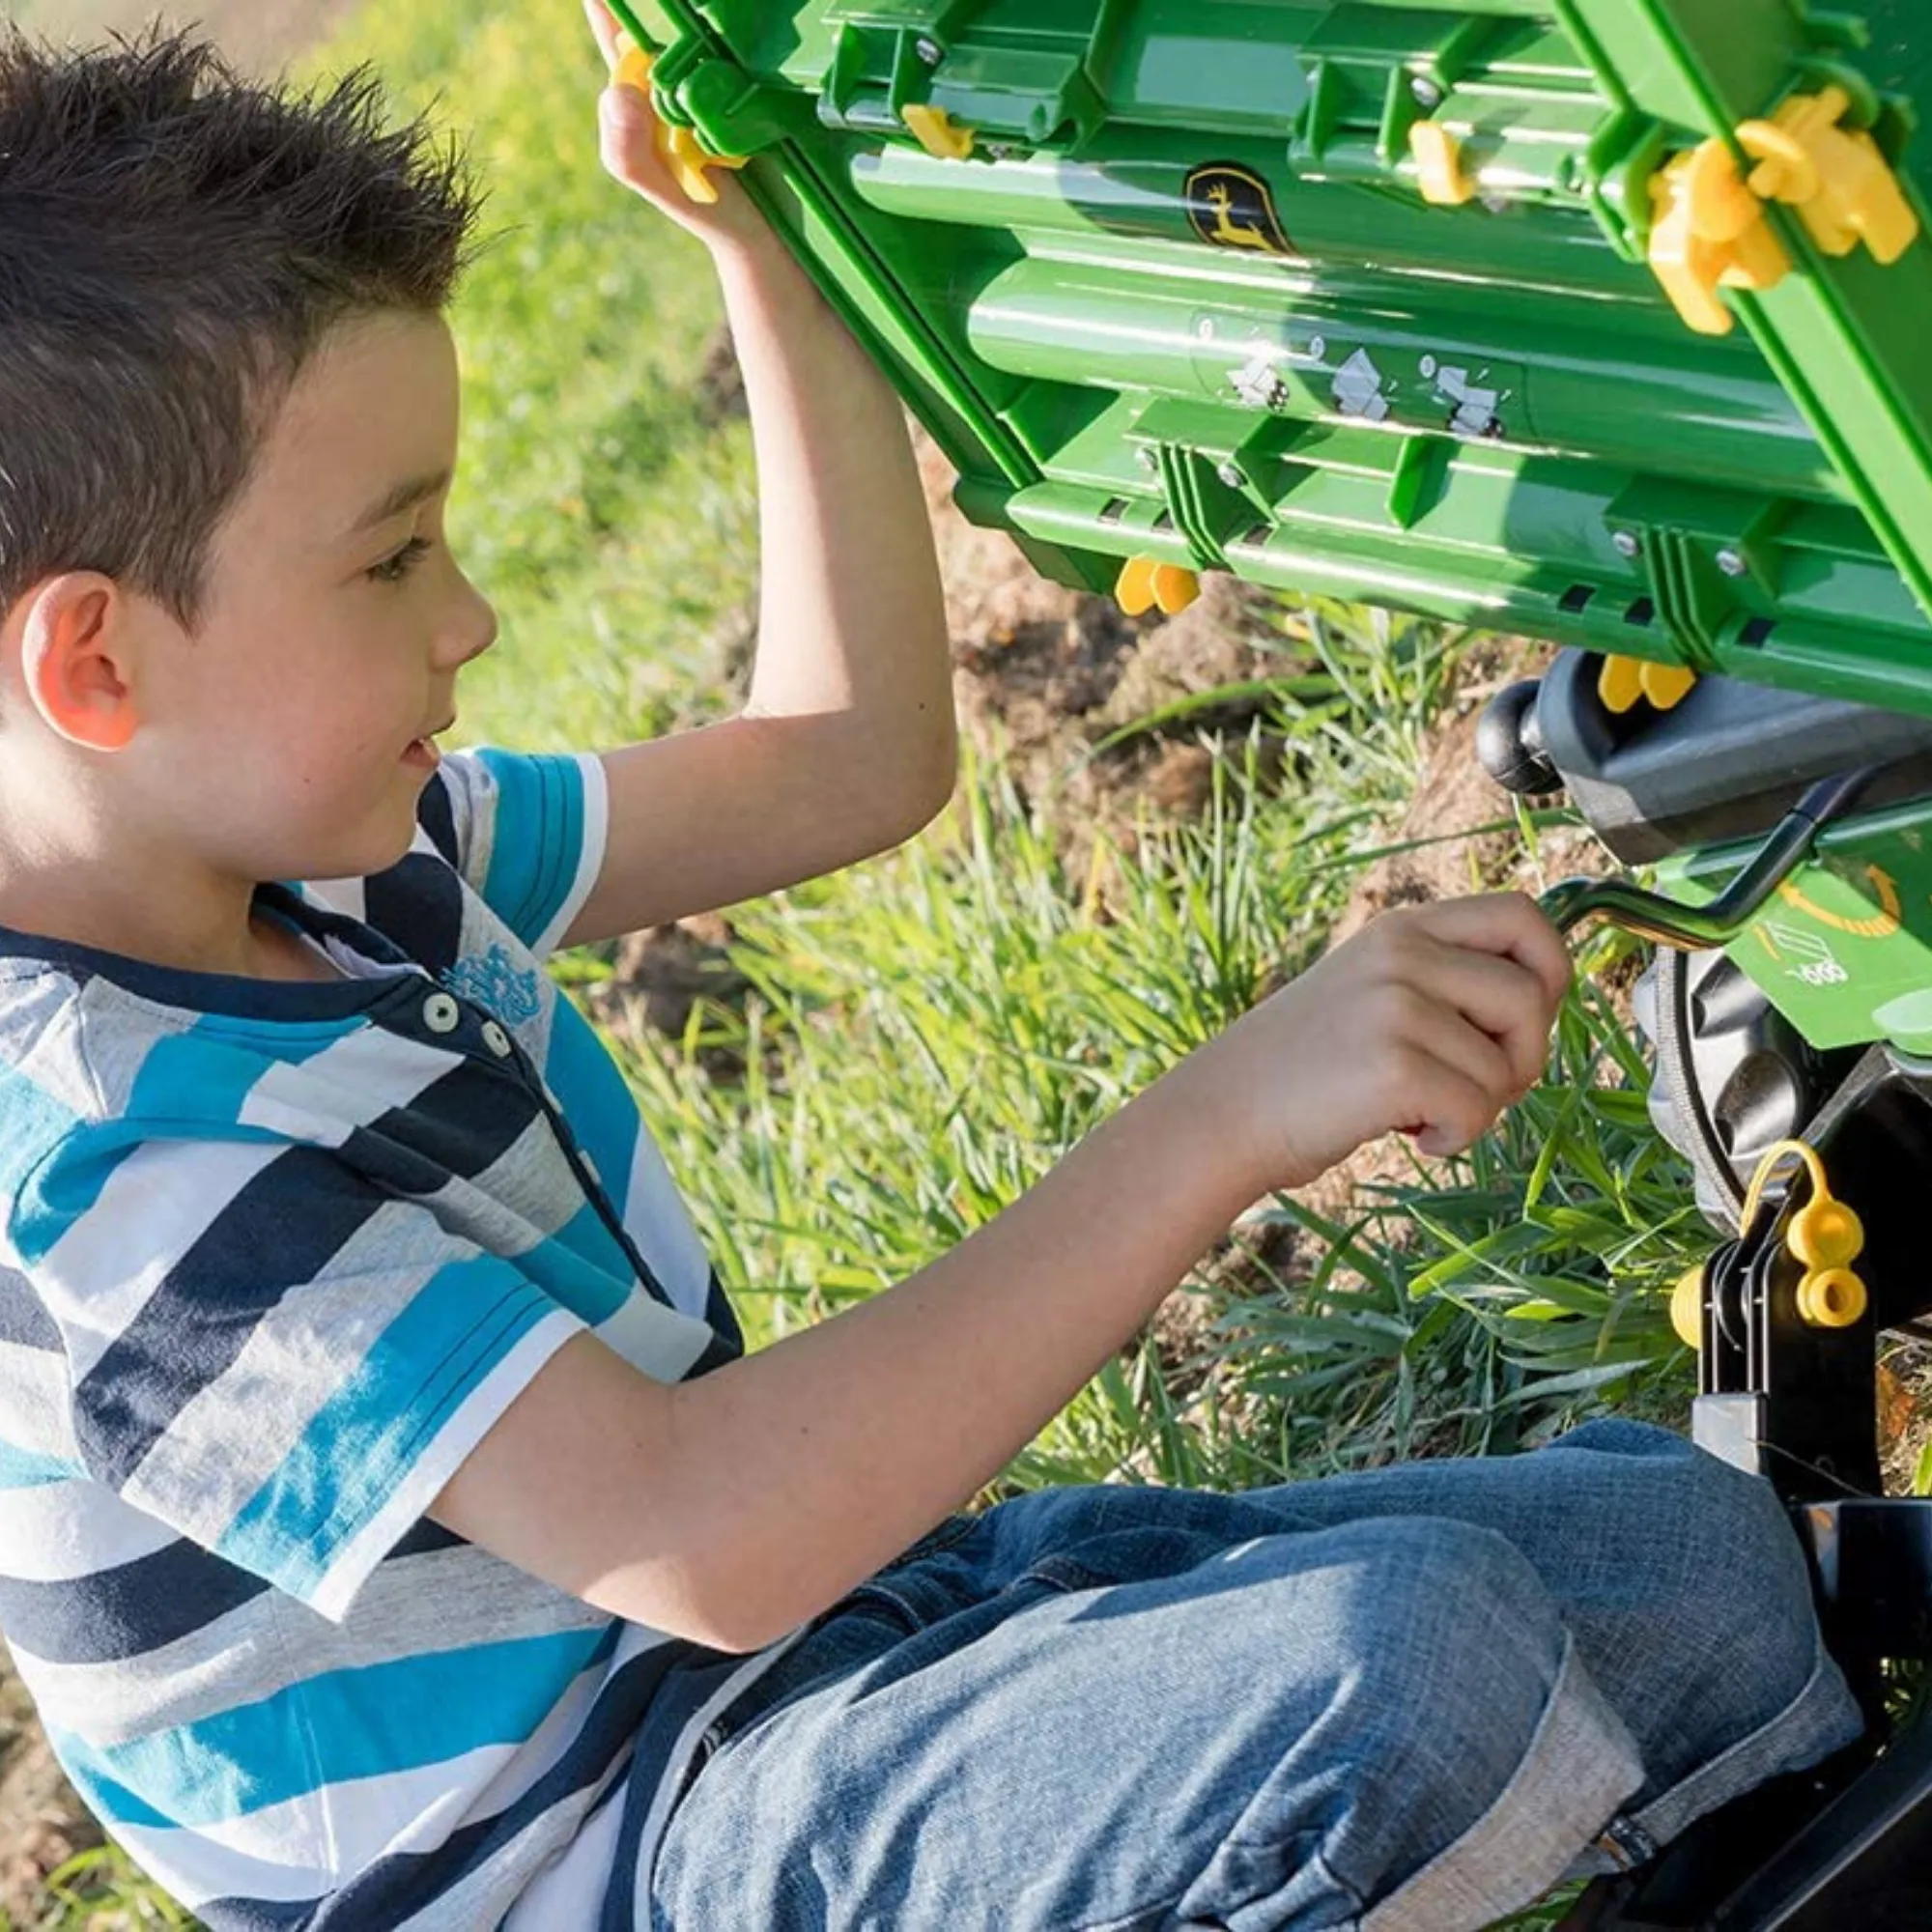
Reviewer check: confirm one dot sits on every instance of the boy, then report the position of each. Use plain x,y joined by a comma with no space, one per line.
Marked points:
393,1530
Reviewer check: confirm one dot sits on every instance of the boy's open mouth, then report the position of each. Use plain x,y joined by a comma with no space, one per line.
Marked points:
425,751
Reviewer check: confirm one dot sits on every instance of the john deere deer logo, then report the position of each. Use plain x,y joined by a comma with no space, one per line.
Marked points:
1229,208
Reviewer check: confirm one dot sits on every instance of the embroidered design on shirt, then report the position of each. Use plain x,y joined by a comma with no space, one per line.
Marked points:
496,982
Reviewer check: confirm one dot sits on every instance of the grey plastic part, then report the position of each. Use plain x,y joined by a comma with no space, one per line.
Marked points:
1727,763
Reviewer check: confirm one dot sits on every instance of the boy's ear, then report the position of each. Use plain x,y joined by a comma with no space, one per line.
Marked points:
77,659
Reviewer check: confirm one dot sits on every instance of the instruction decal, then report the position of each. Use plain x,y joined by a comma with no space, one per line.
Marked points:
1358,389
1232,207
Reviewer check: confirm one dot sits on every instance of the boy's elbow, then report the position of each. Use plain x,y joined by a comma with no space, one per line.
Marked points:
929,785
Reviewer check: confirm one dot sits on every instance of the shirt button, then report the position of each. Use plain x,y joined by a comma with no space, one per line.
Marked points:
441,1013
496,1040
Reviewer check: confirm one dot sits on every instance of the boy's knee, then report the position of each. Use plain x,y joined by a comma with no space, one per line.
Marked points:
1459,1695
1453,1645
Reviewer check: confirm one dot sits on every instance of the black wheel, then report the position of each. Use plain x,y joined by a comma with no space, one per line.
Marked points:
1733,1074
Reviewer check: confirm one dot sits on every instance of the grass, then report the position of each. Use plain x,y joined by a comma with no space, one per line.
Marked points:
927,1034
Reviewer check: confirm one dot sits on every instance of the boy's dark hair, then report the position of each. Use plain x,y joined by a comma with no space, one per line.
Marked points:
175,242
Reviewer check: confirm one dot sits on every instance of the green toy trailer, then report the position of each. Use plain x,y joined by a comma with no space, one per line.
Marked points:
1604,321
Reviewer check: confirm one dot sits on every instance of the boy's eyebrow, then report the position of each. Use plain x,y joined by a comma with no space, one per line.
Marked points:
405,495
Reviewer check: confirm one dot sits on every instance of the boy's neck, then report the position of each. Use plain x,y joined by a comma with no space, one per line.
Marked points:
225,934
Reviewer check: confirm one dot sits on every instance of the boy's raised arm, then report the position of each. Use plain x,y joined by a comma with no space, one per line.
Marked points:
733,1508
846,744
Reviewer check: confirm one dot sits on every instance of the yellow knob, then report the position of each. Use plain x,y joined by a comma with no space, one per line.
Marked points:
683,155
1832,1297
1687,1307
1145,583
1824,1234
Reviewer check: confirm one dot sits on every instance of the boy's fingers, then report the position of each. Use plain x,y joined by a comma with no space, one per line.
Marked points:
628,132
1452,1109
1502,997
1510,924
604,24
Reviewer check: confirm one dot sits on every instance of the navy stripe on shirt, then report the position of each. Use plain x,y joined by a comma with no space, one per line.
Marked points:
277,1234
461,1123
125,1611
418,901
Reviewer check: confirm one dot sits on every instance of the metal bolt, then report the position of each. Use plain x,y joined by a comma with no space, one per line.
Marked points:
928,51
1627,543
1732,563
1229,474
1426,93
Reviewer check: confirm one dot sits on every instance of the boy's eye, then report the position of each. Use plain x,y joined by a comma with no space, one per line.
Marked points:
394,570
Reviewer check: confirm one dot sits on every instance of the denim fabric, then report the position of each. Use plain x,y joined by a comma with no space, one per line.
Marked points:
1403,1701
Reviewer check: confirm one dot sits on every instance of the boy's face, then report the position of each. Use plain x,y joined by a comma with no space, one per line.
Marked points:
272,742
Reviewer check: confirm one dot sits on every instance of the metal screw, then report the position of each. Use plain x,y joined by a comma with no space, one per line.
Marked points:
1317,348
1732,563
1229,474
1205,328
1147,458
928,51
1627,543
1426,91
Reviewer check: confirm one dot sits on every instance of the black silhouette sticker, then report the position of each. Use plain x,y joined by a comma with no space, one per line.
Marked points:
1230,207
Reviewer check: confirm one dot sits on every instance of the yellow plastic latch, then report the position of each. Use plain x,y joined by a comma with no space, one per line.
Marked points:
1438,159
1687,1307
678,147
1836,178
939,134
1145,582
1831,1298
1622,681
1824,1236
1709,232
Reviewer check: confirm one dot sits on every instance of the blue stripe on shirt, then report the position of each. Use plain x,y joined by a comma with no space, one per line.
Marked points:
27,1469
603,1111
359,1448
328,1729
207,1073
538,838
36,1123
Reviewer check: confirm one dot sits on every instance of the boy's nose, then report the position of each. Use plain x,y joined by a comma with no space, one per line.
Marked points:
474,629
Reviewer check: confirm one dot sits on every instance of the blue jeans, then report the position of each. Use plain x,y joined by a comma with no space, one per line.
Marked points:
1408,1700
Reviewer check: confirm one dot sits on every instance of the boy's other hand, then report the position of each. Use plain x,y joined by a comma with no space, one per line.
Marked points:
1429,1021
628,128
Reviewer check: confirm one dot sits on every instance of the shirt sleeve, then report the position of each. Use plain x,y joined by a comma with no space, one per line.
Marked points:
280,1361
527,831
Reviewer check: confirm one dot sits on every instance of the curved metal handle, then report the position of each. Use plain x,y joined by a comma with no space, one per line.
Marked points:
1691,928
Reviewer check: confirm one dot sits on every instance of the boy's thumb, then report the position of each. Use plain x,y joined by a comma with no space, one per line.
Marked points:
626,117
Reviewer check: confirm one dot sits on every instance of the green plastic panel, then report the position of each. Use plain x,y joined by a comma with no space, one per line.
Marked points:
1185,299
1845,950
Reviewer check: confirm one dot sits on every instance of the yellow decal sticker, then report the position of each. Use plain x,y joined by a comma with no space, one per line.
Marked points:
1231,208
1882,927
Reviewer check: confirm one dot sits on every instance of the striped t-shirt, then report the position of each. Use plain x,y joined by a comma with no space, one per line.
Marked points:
276,1255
